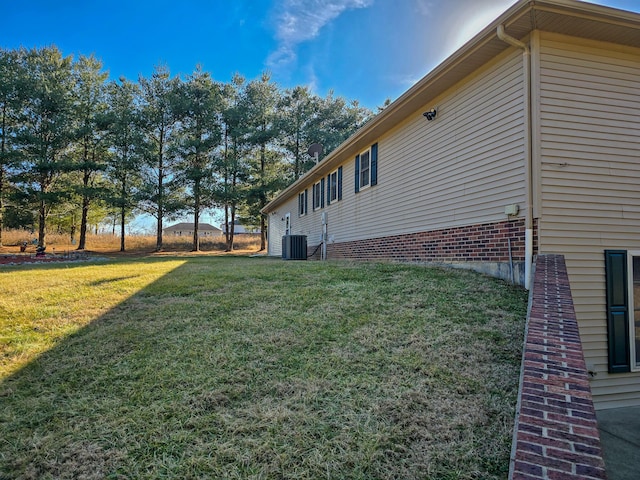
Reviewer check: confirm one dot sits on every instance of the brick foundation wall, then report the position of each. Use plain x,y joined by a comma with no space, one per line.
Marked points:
475,243
556,433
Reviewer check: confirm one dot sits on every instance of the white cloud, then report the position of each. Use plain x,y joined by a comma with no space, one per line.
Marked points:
312,79
283,56
424,7
298,21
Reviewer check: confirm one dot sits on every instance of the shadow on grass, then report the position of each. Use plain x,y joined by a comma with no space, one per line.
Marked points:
247,368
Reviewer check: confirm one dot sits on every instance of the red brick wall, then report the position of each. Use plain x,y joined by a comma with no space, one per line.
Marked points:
556,433
476,243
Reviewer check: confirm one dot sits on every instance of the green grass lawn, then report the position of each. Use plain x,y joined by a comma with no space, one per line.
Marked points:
224,368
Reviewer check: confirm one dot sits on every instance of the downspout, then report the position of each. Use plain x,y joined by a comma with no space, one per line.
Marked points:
528,239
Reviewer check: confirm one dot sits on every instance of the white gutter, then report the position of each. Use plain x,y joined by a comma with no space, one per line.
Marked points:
528,239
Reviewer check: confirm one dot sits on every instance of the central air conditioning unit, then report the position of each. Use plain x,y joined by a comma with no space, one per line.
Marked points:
294,247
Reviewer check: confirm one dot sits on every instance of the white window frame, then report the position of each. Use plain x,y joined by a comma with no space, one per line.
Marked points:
635,366
366,152
302,203
333,188
317,187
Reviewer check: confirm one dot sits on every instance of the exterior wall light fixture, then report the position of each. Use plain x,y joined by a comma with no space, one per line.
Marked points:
431,114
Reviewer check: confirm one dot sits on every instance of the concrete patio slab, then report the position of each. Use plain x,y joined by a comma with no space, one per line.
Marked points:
620,439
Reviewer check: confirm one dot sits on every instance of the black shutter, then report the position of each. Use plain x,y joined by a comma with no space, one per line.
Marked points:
617,310
305,201
357,173
339,183
329,189
322,193
374,164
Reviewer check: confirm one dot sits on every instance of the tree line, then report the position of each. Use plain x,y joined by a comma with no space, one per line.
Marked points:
77,147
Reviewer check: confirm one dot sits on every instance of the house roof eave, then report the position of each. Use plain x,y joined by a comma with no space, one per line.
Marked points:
567,17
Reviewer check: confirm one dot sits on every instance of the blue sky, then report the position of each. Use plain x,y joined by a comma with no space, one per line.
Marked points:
367,50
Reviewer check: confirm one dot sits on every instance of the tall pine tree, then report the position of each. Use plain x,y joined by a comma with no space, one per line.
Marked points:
90,121
45,130
160,96
10,81
126,143
260,101
298,110
230,165
199,135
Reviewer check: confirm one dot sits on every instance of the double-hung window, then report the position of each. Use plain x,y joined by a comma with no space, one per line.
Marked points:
318,195
302,203
366,174
365,169
334,186
622,269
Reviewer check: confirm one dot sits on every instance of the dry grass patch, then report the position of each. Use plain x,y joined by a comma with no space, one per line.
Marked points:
256,368
107,243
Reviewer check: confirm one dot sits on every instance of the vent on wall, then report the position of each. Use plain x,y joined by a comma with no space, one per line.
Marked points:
294,247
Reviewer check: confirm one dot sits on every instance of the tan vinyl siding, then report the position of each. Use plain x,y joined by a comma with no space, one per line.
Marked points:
463,168
309,224
435,174
590,173
276,222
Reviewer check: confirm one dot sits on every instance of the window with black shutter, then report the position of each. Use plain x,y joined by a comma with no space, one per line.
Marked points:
366,168
302,203
617,291
317,196
334,186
